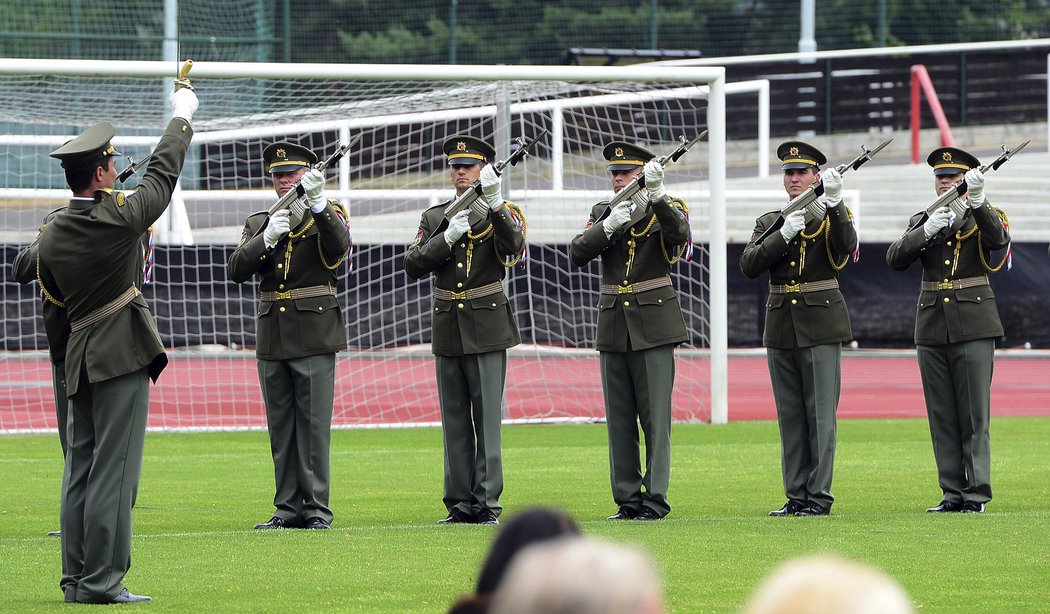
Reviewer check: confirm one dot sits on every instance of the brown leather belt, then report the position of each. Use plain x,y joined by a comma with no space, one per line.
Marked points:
105,311
297,293
480,292
954,284
641,286
806,286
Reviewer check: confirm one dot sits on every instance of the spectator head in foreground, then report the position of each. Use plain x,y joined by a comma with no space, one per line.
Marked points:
828,585
580,576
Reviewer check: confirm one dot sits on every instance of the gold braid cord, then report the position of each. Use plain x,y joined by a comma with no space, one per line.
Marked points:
824,227
524,236
346,252
288,250
680,204
43,288
980,245
471,237
631,243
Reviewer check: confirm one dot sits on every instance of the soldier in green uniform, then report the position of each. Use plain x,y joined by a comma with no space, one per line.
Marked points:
472,327
297,253
639,323
56,322
806,323
956,325
89,255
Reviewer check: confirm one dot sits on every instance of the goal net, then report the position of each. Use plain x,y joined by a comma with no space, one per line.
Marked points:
393,173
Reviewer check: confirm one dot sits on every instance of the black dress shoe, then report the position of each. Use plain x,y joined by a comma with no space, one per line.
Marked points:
317,523
648,513
813,509
624,513
789,508
277,523
487,517
457,517
972,507
946,506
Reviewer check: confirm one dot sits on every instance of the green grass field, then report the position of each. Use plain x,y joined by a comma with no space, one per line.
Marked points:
194,549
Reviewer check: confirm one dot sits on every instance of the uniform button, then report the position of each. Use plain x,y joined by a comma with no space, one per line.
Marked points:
945,280
462,244
946,299
793,301
460,305
263,257
280,265
949,243
280,287
627,303
827,302
792,282
459,265
459,284
435,310
320,309
978,299
624,282
494,304
947,262
283,309
792,263
660,301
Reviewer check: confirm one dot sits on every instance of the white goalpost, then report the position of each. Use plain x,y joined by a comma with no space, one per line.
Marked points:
403,113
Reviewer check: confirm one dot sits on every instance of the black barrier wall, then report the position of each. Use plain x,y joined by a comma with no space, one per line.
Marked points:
196,304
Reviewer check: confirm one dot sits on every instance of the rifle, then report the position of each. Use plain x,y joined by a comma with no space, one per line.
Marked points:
470,198
182,79
628,191
955,192
816,190
297,191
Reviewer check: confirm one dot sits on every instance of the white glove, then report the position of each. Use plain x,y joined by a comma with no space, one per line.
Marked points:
654,180
183,103
793,224
313,183
832,180
490,187
277,228
975,184
617,219
938,219
457,227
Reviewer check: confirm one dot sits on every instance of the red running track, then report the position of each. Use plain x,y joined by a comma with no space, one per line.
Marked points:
221,391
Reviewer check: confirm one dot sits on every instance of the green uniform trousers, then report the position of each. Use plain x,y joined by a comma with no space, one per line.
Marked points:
637,385
806,383
957,382
299,394
58,381
470,393
107,430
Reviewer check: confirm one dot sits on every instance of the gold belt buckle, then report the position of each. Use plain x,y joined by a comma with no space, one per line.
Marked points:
944,285
459,296
284,296
792,288
624,290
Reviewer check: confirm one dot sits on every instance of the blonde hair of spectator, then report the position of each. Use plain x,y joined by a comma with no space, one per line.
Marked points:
827,584
580,575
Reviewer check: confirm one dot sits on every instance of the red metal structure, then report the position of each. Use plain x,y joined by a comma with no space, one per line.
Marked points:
921,78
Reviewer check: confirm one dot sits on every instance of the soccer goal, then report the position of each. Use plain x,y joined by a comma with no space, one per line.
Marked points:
403,113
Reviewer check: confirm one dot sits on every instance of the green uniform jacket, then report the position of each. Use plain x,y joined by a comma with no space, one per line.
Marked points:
91,253
310,255
803,319
56,322
468,326
653,239
951,316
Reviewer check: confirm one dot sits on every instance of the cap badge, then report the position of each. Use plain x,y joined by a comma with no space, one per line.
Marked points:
947,156
793,151
461,146
618,152
281,153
